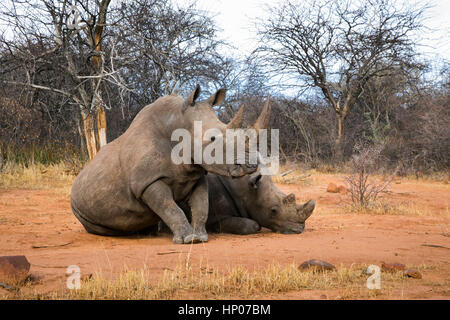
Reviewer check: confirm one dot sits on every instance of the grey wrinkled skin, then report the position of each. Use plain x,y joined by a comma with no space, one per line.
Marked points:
132,183
244,205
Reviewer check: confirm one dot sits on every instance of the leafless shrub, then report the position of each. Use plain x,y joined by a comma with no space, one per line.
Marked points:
363,190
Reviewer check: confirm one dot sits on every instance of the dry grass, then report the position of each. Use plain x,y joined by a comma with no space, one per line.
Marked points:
293,176
386,208
36,176
238,282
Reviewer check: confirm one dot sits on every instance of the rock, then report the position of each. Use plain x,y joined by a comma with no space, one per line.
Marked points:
392,267
333,188
318,265
13,269
413,273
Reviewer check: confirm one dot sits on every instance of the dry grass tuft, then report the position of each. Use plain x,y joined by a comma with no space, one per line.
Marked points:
384,208
36,176
237,282
293,176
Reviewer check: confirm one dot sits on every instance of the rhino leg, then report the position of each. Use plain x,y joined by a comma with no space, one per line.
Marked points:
236,225
198,201
158,197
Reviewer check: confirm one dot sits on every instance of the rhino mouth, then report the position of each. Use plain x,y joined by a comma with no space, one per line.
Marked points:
292,228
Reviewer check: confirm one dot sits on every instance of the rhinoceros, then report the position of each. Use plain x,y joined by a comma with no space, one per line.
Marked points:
132,183
244,205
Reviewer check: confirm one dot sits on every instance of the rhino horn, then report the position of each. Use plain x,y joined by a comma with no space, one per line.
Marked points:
263,120
304,211
236,122
290,198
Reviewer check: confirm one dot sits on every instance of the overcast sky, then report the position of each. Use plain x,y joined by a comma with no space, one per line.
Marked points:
235,18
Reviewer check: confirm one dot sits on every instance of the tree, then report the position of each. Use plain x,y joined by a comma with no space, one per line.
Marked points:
99,55
168,47
67,40
338,46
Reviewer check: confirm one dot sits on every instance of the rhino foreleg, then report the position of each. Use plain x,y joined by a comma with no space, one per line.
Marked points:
236,225
198,202
158,197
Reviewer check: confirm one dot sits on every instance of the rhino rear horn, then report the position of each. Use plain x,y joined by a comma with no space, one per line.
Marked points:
263,120
304,211
236,122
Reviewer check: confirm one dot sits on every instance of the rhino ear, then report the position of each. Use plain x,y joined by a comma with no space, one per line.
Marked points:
290,198
217,98
254,180
190,101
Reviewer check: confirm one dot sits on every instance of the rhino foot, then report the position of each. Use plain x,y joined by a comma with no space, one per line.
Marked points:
190,238
195,238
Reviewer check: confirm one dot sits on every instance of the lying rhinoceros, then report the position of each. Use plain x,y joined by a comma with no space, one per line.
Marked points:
133,183
244,205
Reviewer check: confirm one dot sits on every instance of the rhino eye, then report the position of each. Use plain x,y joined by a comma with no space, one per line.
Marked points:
273,212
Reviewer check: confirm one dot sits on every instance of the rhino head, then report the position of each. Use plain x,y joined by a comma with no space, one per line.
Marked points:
270,207
203,111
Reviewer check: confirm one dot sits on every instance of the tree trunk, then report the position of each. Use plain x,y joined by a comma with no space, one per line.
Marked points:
101,127
82,138
89,133
338,147
96,122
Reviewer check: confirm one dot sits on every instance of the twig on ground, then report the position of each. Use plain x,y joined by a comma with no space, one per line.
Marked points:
434,246
50,245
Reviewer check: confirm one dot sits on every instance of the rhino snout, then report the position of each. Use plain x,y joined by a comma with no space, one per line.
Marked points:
294,230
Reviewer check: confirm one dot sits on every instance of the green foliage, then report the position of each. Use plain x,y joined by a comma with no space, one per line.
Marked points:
378,131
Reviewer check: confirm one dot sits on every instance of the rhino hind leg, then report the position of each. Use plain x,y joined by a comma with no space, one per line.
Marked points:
236,225
97,229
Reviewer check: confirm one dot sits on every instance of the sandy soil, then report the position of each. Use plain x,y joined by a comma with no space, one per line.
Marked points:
30,218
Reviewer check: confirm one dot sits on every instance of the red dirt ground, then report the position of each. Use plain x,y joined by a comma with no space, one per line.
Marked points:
43,218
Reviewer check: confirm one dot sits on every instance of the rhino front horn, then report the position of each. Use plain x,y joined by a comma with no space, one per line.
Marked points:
305,210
